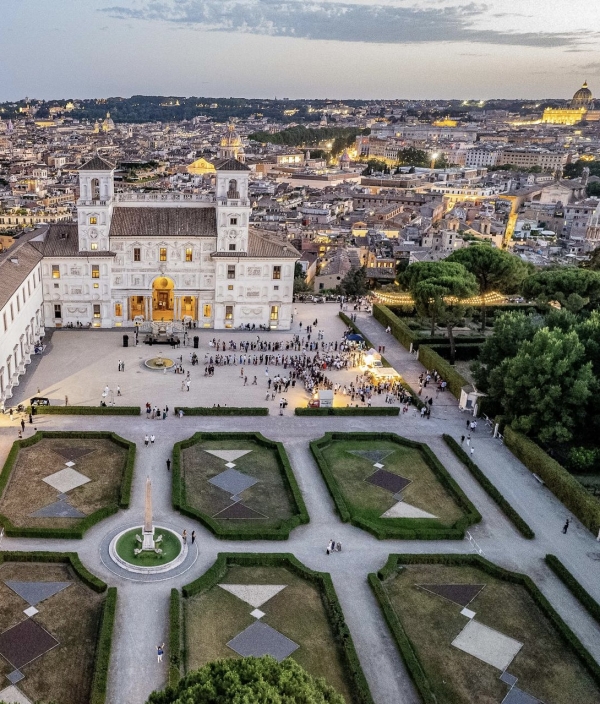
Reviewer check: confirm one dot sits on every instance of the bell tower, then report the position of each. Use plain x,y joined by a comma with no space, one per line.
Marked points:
95,204
233,206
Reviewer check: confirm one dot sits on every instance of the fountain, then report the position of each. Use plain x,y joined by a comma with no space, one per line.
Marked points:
159,362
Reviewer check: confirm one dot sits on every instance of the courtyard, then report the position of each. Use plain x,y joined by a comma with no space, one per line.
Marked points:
79,364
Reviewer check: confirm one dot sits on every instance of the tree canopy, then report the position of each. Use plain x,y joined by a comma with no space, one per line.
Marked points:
355,283
572,287
249,681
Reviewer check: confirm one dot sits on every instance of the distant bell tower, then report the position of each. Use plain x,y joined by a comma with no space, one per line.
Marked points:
95,204
233,206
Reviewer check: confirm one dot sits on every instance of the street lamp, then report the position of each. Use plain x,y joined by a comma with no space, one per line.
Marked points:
434,156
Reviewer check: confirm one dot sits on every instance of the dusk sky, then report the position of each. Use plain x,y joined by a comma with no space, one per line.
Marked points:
299,48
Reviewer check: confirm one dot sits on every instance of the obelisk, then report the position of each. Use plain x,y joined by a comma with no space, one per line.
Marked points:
148,533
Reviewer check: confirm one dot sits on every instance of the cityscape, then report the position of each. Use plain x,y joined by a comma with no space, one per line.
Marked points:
299,394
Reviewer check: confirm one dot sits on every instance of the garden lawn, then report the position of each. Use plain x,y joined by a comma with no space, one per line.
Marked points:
213,617
545,666
424,491
26,491
270,496
64,674
127,543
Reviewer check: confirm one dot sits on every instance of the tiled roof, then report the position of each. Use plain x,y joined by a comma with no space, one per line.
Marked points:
62,240
163,222
97,163
230,165
263,246
15,268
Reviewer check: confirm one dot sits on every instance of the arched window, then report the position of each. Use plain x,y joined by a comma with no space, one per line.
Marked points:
95,189
232,191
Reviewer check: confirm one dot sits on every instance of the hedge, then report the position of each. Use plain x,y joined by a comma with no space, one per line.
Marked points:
585,598
79,530
221,411
463,352
174,638
86,410
430,359
401,528
427,687
105,631
349,411
251,532
103,648
491,490
564,486
359,687
399,329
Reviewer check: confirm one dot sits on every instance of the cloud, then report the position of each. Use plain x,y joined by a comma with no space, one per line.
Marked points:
342,21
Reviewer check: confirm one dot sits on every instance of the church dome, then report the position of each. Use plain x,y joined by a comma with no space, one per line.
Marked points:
583,98
232,138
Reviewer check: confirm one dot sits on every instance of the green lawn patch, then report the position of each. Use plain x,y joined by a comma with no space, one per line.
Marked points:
431,488
127,543
106,459
552,664
274,502
306,611
79,617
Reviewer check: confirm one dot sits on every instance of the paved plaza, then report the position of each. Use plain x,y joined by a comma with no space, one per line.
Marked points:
79,364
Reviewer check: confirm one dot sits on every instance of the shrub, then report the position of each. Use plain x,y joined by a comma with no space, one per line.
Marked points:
565,487
349,411
104,647
86,410
221,411
322,580
487,485
587,601
430,359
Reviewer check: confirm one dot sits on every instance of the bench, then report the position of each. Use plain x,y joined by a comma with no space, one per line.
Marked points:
539,479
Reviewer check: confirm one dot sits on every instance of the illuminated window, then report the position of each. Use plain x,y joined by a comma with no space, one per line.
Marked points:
276,272
230,287
93,221
96,285
94,246
95,271
228,312
57,310
137,254
207,310
96,310
274,312
163,254
118,310
188,254
231,271
232,247
55,271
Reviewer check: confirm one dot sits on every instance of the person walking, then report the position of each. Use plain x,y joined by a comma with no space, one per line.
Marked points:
184,536
160,651
472,450
152,439
168,464
146,440
193,537
22,424
566,526
462,439
118,390
119,365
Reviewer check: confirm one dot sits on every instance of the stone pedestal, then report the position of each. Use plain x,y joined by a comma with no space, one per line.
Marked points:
148,540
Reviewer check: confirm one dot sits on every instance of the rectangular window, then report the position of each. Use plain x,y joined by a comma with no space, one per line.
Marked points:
230,287
228,312
5,323
96,310
18,304
28,287
207,310
57,311
93,221
94,246
276,272
137,254
55,271
274,312
231,271
163,254
275,288
95,271
12,313
233,221
232,247
118,310
188,254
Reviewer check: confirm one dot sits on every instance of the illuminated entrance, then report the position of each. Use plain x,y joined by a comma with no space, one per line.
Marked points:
163,299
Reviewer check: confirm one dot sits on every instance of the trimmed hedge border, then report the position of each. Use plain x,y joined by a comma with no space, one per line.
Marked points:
585,598
430,359
221,411
399,328
174,638
383,530
463,351
407,649
357,680
491,490
286,526
86,523
349,411
562,484
105,631
86,410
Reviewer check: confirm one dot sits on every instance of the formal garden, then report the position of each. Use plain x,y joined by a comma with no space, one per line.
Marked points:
470,631
392,487
58,484
266,605
240,485
56,622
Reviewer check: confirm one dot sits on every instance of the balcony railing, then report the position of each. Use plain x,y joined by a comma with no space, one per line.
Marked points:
163,197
